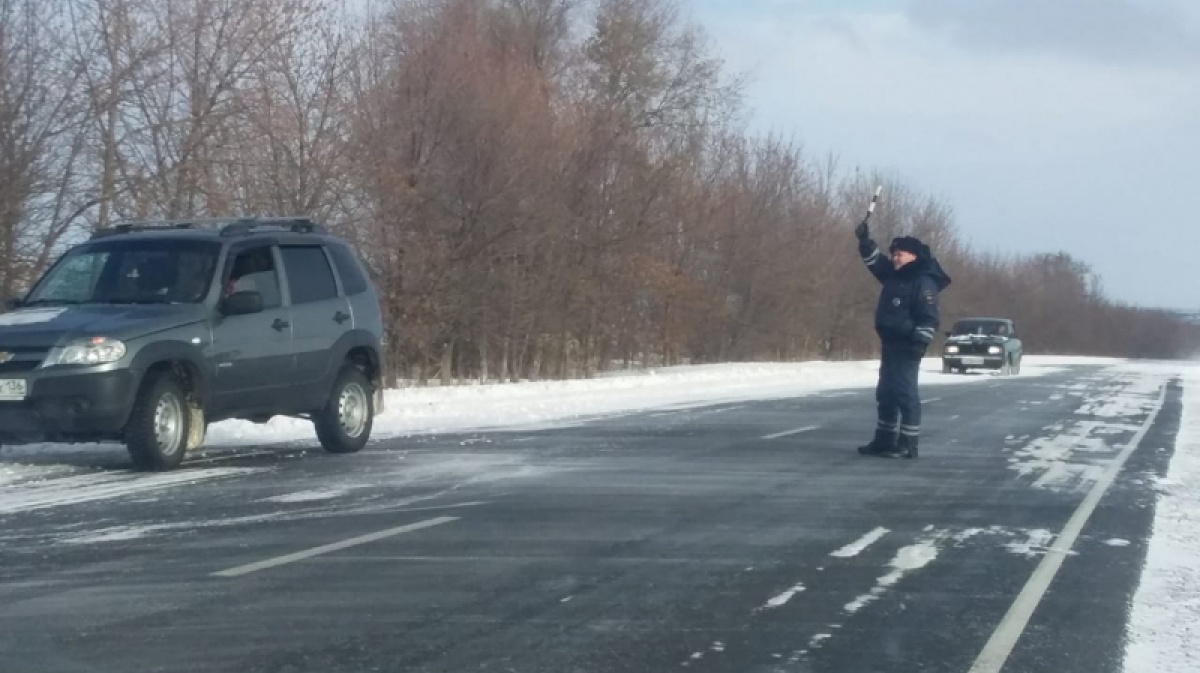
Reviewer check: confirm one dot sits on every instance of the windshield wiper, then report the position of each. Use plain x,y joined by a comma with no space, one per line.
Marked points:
137,302
50,302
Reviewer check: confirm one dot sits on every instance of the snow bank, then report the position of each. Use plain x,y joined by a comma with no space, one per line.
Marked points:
1164,624
415,411
529,405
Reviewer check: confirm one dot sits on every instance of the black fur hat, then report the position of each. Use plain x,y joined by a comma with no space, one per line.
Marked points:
910,244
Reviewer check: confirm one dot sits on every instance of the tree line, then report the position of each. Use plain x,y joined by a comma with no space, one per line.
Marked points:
540,188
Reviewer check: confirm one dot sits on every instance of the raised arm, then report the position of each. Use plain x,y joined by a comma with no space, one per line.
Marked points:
877,263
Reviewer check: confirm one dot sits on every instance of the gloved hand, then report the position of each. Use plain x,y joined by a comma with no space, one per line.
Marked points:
863,232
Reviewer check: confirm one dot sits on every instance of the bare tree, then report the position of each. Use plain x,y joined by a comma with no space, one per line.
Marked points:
40,141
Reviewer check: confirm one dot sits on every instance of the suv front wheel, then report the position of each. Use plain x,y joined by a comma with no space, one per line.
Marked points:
344,424
159,425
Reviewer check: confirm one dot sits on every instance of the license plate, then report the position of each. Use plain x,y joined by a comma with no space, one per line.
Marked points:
13,389
972,361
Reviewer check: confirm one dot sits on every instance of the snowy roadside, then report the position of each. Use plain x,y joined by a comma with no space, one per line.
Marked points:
420,411
527,405
1164,624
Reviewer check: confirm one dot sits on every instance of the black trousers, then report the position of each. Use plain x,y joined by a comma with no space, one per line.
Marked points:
899,401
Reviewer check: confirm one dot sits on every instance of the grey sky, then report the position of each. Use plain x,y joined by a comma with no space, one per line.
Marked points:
1046,124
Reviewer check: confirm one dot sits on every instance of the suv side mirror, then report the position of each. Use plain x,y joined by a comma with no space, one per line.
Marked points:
242,303
12,304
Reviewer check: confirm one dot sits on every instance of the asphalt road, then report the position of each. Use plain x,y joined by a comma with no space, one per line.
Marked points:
745,538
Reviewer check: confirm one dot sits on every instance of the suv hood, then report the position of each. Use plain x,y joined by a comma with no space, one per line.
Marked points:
49,326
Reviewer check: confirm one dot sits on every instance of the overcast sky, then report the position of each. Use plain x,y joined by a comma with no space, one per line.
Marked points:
1046,124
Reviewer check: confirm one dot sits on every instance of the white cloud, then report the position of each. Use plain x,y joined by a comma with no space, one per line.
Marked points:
1160,33
884,69
1036,145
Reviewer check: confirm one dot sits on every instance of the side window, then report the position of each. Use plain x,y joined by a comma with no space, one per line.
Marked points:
349,269
254,270
308,274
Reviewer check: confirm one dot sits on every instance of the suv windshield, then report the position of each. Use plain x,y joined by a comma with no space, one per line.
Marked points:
981,328
129,272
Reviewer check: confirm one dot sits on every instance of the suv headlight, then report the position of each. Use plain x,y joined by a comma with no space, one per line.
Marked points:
93,351
995,350
952,349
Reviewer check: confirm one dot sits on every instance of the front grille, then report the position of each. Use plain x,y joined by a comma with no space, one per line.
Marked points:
22,360
973,348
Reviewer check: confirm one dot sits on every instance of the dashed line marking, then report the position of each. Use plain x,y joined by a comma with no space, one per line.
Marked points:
858,546
785,433
336,546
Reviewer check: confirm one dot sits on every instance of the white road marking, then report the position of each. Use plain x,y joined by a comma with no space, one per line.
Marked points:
931,400
336,546
855,548
1002,642
784,597
777,435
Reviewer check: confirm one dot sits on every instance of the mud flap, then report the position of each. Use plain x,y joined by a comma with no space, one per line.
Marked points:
197,427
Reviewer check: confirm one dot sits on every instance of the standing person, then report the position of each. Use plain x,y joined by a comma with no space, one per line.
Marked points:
906,320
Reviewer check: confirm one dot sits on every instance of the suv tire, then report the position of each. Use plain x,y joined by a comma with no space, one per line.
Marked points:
159,426
344,424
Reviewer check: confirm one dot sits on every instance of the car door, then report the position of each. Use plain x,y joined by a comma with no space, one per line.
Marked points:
254,354
320,315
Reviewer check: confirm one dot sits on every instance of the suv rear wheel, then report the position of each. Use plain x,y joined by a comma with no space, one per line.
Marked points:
160,424
344,424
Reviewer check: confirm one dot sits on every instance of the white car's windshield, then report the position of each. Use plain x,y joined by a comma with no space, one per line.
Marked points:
981,328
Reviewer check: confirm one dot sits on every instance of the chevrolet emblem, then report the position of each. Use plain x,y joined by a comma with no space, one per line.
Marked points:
5,357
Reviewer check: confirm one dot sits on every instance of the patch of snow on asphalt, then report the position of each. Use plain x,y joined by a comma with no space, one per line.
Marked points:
309,496
101,486
1035,544
908,559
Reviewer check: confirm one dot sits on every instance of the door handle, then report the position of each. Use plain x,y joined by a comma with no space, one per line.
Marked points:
280,324
340,317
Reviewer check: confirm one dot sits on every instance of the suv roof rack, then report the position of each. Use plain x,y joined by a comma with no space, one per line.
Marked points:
230,226
133,227
296,225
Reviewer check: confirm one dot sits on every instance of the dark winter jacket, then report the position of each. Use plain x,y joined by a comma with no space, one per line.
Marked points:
907,316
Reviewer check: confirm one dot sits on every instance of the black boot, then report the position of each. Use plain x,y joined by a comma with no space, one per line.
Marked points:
907,446
884,442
